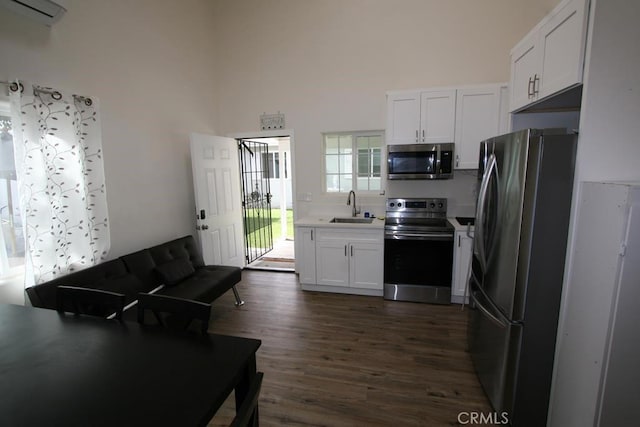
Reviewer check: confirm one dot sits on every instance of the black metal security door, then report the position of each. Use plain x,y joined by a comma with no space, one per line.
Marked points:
256,198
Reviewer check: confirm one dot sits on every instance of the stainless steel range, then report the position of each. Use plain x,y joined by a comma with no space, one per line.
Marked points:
418,250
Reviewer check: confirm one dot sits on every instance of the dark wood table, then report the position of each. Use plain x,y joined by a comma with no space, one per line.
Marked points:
62,370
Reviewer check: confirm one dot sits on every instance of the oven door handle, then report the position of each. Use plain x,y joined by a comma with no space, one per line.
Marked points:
419,236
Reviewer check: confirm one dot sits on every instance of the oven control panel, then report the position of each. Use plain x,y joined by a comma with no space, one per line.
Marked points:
424,205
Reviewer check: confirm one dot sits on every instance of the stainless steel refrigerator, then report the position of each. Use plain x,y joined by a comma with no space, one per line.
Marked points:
522,221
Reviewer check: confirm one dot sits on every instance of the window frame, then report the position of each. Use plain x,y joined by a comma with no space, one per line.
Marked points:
354,160
272,171
16,271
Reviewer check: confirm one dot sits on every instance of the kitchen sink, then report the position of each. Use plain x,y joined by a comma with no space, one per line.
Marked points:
351,220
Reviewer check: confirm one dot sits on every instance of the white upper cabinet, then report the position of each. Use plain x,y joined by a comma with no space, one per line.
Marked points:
420,117
524,71
437,116
550,58
477,118
464,115
403,118
563,39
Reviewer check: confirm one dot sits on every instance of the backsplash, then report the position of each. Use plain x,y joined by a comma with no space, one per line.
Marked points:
460,191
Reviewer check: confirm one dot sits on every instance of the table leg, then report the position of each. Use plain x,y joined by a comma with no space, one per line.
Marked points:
242,388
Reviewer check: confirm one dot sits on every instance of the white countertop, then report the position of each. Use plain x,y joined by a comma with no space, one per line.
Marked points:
457,225
376,224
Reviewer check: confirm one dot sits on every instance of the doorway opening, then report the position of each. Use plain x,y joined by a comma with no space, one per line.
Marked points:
267,197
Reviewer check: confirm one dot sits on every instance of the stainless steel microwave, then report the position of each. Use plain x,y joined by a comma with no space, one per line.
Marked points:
420,161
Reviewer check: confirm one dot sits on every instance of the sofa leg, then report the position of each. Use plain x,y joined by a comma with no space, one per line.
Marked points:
239,301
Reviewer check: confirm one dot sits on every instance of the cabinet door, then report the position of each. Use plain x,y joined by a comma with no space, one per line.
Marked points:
463,248
504,118
366,260
306,256
437,116
477,118
332,262
403,118
525,60
562,42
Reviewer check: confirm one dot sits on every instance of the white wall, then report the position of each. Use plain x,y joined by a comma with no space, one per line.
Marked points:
150,64
162,69
326,64
608,150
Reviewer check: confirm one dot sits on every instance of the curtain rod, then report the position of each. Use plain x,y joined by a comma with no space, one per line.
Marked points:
18,86
58,96
14,86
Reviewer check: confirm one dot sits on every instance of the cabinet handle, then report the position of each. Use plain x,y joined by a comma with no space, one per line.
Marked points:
345,250
457,160
529,88
422,135
311,234
536,85
352,250
458,241
417,137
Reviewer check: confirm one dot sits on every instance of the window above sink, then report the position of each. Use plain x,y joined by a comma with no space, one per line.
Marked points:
353,161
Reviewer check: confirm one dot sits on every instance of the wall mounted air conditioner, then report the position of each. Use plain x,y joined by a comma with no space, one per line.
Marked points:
44,11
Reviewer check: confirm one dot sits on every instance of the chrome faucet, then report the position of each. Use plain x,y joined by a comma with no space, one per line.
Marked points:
354,210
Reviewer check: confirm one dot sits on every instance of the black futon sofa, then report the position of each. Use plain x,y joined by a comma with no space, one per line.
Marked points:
174,268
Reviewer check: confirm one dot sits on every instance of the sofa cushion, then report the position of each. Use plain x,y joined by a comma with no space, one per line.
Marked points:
175,271
45,294
206,284
142,265
184,247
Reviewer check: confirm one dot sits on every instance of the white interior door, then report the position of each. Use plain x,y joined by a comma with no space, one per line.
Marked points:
216,180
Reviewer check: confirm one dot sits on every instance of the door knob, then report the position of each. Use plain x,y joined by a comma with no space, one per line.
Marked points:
205,227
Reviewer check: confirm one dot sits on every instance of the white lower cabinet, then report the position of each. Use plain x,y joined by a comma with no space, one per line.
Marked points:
345,260
461,260
306,254
332,262
366,265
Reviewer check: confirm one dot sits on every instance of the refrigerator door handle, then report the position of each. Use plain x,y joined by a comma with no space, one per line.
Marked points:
487,312
495,313
484,147
480,213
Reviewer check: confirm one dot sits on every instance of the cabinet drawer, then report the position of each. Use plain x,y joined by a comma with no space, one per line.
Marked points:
350,235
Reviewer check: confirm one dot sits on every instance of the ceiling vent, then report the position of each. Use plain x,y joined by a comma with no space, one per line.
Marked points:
44,11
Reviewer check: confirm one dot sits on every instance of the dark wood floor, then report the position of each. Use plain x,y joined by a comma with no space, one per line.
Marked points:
344,360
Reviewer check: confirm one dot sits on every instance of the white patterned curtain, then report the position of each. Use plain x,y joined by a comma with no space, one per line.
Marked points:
58,155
